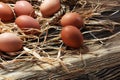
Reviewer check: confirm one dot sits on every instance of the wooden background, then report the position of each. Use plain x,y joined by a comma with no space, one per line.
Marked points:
98,61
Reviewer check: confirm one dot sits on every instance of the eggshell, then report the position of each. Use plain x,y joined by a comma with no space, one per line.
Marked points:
72,18
71,36
24,8
49,7
6,13
28,24
10,42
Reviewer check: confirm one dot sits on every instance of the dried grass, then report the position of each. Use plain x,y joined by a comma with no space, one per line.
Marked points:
47,46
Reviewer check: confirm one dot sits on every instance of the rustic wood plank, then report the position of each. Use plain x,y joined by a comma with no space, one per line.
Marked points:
96,60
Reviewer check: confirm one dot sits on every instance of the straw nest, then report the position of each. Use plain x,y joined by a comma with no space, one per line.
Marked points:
47,47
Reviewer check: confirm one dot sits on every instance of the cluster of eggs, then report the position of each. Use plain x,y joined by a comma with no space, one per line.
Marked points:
70,34
23,14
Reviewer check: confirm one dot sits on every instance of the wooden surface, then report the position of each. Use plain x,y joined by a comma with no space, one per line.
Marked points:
96,59
106,56
108,73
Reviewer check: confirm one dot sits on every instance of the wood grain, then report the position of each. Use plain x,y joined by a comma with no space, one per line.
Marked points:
106,56
100,61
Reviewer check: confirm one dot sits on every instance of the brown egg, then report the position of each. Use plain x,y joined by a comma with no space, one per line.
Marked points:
6,13
24,8
28,24
72,36
72,18
49,7
10,42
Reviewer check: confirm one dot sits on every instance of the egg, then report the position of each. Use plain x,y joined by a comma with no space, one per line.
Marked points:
6,13
49,7
10,42
72,18
72,36
24,8
28,24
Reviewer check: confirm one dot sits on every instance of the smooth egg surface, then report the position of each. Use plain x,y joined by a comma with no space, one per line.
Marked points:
72,18
49,7
10,42
72,36
28,24
6,13
24,8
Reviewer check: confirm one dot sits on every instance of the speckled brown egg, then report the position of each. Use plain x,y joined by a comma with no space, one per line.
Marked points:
72,18
72,36
10,42
24,8
49,7
6,13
